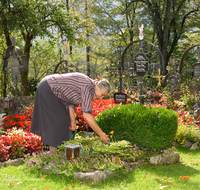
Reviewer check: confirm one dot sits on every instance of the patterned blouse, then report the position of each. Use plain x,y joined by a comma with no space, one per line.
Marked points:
73,89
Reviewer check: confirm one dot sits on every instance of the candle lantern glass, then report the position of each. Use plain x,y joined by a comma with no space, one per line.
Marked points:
72,151
7,102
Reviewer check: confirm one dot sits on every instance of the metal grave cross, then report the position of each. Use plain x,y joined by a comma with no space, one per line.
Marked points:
14,65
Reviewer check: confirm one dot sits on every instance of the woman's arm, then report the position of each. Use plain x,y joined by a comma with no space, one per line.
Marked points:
72,118
92,123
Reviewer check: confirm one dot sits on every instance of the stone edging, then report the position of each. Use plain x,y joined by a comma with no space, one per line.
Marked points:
15,162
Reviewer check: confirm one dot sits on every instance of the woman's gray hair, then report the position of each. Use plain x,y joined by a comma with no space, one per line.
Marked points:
103,84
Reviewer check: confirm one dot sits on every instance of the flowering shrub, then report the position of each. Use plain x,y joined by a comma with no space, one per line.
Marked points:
187,128
97,106
188,132
16,143
167,100
4,148
18,121
33,142
27,113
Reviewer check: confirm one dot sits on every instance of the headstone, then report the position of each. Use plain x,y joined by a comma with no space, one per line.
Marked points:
120,97
196,70
141,64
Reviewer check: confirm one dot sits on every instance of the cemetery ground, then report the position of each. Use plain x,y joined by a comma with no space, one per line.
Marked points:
183,175
42,171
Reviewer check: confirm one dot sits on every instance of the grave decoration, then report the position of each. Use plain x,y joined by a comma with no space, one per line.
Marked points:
172,79
72,151
65,66
7,103
196,110
192,68
140,63
18,61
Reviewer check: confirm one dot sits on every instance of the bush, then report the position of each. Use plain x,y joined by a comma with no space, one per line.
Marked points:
148,127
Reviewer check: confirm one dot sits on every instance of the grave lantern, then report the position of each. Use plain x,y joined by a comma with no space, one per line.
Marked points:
7,103
196,111
72,151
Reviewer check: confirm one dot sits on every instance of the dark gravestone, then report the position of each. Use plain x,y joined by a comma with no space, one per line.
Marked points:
141,64
196,70
120,97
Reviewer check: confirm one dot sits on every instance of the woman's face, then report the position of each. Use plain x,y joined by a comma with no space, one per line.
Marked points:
99,93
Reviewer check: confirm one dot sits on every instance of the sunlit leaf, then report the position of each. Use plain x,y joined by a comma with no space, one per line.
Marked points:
169,181
92,183
11,183
184,178
161,186
19,183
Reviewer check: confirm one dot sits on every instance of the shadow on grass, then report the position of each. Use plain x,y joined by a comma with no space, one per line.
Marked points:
153,175
70,181
186,151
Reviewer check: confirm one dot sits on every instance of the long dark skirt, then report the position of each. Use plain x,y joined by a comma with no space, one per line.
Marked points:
51,119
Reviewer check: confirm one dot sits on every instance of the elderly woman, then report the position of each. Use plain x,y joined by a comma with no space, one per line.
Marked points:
54,108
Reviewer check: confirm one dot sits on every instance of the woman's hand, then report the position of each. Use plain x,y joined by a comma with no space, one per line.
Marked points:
72,126
104,137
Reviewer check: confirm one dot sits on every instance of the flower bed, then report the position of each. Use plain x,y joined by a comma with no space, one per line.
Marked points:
16,140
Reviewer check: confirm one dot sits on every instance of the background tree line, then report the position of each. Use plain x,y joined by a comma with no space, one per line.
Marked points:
93,30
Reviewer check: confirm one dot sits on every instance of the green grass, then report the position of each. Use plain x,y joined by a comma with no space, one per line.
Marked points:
145,177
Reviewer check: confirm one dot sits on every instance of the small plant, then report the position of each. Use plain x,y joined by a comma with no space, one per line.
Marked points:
187,98
187,128
167,100
188,132
94,155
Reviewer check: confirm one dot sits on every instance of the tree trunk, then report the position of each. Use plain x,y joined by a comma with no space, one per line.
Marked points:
24,71
162,32
166,36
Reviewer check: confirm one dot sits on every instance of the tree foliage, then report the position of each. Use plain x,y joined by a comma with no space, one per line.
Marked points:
31,19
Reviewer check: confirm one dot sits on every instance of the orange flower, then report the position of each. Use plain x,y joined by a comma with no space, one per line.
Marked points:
117,159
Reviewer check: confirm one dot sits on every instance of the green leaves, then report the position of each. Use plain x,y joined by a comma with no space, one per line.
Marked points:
148,127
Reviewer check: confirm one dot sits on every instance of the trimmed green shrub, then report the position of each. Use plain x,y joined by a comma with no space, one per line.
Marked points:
153,128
